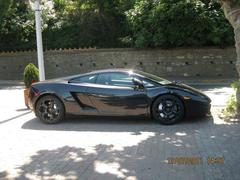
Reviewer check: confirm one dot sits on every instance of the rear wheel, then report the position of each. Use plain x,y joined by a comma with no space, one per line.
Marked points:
168,109
49,109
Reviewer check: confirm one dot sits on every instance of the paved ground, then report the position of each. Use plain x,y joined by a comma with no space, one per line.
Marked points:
116,148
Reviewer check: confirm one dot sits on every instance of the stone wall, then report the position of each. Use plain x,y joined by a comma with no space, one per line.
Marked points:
201,63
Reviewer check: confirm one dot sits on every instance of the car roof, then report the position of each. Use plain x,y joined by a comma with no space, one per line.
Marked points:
98,72
110,70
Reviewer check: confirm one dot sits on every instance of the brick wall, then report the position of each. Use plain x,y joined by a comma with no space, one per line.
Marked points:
201,63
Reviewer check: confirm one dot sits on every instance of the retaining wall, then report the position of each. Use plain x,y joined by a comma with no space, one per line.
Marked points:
201,63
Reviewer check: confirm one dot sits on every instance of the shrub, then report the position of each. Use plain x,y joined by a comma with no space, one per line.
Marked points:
231,104
30,75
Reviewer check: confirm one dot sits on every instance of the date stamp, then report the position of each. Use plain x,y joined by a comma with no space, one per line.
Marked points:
215,160
185,160
194,160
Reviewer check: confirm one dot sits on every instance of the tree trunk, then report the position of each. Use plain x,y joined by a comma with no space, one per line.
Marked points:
232,13
237,39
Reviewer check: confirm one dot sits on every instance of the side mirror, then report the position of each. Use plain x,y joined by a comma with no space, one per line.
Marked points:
138,84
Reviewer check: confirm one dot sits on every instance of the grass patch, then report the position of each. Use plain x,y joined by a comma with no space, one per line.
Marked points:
229,113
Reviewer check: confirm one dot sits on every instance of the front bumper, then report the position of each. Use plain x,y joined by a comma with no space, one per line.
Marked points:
198,108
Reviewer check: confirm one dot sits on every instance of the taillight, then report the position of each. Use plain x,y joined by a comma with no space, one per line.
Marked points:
34,92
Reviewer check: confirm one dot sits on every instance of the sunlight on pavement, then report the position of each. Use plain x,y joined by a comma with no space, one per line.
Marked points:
12,104
216,119
111,168
181,133
48,176
219,95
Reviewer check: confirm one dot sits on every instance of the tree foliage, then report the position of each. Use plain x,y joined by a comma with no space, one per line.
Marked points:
171,23
88,23
17,27
4,6
115,23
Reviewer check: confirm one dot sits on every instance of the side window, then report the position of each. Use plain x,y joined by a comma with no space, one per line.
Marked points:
85,79
121,79
103,79
115,79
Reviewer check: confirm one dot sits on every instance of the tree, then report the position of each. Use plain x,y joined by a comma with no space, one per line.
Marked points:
4,6
17,27
87,23
232,12
179,23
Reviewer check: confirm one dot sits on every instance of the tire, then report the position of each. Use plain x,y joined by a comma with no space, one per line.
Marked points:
50,110
167,109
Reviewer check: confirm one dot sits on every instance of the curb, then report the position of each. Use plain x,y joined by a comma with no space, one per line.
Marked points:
11,83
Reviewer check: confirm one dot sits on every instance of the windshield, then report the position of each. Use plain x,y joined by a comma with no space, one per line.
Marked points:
153,77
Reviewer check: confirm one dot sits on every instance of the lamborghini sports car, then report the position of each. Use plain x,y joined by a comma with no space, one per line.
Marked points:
116,92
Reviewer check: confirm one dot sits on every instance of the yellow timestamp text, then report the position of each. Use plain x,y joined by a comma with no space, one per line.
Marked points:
195,160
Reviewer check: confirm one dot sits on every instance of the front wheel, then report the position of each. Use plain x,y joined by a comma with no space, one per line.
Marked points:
167,109
49,109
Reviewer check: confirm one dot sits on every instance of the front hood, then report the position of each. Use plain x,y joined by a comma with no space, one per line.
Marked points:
187,88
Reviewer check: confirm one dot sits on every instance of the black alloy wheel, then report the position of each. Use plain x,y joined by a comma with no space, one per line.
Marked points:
50,110
168,109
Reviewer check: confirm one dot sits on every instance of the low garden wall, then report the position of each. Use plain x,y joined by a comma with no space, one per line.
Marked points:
201,63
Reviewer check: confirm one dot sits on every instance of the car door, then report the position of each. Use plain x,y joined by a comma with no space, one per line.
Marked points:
114,94
78,89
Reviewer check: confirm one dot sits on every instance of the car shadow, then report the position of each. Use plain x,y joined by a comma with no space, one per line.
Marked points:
113,124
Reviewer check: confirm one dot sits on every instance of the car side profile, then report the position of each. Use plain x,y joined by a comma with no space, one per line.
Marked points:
116,92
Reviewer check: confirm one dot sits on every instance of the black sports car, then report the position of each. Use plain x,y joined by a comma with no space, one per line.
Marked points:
116,92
